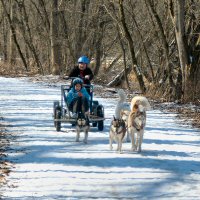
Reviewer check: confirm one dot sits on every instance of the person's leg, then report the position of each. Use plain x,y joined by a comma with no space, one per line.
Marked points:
85,105
70,106
79,104
74,105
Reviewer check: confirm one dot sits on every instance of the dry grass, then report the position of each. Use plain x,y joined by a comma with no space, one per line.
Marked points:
5,166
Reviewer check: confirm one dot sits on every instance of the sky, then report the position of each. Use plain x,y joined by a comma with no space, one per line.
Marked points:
49,165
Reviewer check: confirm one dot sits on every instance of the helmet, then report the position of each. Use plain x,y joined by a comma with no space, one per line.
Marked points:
84,59
77,81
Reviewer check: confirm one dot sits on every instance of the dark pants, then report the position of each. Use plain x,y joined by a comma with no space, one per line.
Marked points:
79,105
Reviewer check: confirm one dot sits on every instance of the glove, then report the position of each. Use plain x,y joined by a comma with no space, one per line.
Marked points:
80,94
87,77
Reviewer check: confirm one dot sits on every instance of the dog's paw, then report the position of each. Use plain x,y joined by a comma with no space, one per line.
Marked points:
134,148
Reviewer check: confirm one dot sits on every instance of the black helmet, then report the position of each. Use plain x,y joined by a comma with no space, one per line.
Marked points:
77,81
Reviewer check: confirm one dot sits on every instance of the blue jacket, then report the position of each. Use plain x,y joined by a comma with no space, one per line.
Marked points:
73,94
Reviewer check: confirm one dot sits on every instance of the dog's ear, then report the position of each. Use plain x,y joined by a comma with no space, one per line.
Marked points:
114,117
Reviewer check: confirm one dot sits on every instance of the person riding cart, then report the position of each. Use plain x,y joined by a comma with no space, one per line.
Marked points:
83,71
78,98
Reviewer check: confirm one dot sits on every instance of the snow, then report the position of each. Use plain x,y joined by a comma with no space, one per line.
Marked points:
51,165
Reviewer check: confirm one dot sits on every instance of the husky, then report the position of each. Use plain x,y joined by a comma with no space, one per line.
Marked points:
137,121
82,124
122,109
117,133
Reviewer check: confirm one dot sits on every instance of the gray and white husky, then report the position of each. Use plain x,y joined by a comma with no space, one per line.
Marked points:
117,133
82,124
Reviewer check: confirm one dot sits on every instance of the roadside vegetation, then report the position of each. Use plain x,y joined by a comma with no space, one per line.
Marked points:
4,145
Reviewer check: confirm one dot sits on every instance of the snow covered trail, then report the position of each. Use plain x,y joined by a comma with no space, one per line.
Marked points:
51,165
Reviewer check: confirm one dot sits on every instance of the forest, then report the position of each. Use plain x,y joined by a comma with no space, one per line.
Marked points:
152,45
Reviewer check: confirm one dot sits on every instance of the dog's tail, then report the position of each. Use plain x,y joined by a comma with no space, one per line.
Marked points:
122,95
143,100
121,104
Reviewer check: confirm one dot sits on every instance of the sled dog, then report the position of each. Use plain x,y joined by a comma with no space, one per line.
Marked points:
122,109
82,124
117,133
137,121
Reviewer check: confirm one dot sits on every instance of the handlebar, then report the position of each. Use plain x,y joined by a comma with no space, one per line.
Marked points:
72,78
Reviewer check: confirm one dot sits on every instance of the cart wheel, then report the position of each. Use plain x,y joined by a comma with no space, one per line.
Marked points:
94,109
100,123
55,103
55,106
100,126
58,123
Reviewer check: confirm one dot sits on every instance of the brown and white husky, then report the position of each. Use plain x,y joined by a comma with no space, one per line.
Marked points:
137,121
82,124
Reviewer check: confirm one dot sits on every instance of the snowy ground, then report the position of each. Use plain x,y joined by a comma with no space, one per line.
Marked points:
51,165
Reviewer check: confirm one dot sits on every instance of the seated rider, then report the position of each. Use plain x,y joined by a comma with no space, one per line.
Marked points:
83,71
77,98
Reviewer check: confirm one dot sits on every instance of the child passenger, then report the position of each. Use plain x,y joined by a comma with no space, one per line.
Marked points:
77,98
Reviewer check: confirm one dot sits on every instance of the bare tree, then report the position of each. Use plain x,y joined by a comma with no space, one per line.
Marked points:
14,35
27,35
12,53
55,40
136,69
187,51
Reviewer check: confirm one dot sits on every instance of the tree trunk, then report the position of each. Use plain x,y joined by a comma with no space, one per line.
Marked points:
55,40
12,53
177,13
5,45
126,71
163,39
119,78
98,49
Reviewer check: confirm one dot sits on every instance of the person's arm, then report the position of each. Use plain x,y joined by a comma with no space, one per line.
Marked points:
74,72
90,73
71,96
